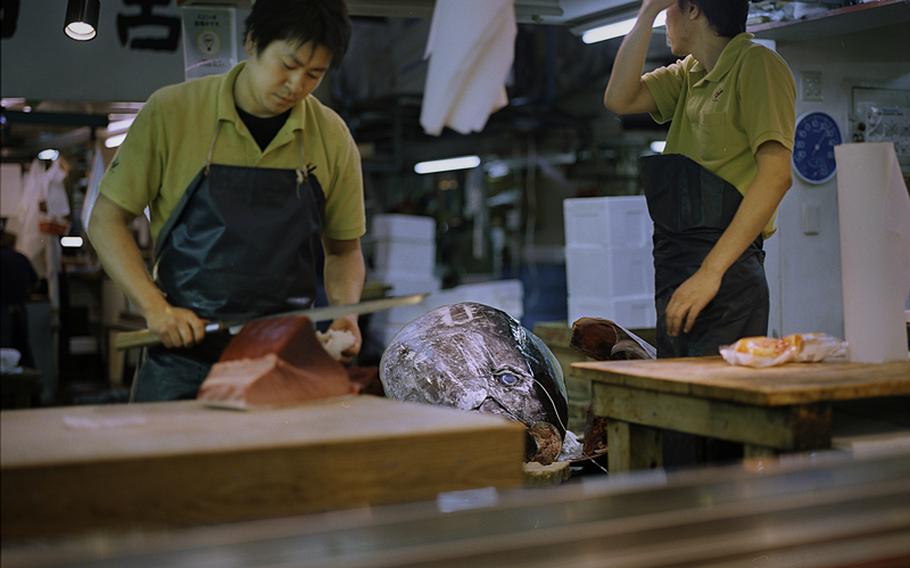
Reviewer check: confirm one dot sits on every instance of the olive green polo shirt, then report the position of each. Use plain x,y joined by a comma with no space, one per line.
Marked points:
168,143
719,119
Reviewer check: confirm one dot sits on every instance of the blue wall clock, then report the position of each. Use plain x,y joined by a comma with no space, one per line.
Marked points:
817,133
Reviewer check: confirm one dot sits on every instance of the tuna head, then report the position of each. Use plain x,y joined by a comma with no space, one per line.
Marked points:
475,357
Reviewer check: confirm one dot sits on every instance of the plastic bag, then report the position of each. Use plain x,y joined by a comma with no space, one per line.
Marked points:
768,351
815,347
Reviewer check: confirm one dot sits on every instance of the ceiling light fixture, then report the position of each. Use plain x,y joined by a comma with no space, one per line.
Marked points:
71,242
115,141
447,165
49,154
81,22
617,29
658,146
120,125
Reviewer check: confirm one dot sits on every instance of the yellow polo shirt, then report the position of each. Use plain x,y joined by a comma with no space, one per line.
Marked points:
719,119
168,143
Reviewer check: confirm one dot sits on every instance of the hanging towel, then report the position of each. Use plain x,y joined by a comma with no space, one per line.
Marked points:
471,47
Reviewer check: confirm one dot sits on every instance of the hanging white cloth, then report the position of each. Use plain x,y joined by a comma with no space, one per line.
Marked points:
43,201
58,204
29,240
94,187
471,47
58,208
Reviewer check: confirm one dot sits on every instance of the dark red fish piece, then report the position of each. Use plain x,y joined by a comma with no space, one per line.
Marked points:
605,340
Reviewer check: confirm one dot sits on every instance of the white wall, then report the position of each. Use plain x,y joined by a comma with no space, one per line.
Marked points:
808,276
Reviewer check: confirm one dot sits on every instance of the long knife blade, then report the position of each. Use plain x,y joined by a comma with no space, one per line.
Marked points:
146,337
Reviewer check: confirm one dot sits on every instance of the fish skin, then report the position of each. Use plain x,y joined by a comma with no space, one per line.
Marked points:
478,358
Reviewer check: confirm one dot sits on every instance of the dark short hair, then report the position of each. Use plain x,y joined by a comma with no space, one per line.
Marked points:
324,22
727,17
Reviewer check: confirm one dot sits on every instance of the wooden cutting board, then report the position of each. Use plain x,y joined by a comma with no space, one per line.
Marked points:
793,383
124,467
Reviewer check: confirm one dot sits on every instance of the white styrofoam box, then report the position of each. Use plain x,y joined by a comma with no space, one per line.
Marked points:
629,312
403,227
403,283
608,221
415,257
594,271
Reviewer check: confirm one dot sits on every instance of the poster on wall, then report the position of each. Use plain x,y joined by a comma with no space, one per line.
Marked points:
210,40
883,115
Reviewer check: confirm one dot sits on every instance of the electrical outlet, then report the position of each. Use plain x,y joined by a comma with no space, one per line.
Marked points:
811,85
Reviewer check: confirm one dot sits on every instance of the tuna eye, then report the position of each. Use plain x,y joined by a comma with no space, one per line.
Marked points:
507,379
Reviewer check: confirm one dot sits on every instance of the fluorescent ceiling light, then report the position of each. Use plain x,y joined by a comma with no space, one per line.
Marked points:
48,154
658,146
71,242
120,125
618,29
115,141
447,165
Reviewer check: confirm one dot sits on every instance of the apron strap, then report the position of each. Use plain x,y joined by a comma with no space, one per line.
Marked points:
302,173
211,154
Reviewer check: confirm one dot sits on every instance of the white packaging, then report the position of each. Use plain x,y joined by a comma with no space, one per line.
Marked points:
631,312
594,271
608,221
404,283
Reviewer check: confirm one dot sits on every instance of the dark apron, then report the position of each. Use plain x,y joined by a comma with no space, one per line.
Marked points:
691,207
240,243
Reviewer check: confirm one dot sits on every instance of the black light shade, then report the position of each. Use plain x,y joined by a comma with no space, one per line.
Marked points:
82,19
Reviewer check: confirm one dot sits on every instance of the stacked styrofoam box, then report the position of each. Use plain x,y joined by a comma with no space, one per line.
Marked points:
404,244
404,255
609,267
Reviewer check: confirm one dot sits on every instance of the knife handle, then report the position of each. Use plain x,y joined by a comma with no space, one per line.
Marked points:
147,338
130,339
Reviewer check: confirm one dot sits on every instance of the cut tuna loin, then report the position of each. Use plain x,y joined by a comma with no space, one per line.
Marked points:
275,362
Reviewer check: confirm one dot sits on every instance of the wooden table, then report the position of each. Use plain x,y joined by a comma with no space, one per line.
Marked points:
172,464
786,408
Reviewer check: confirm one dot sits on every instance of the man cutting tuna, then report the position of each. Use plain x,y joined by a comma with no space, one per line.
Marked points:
245,174
714,193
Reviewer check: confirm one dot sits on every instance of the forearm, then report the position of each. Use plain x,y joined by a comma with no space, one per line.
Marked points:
758,206
625,78
120,256
344,276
